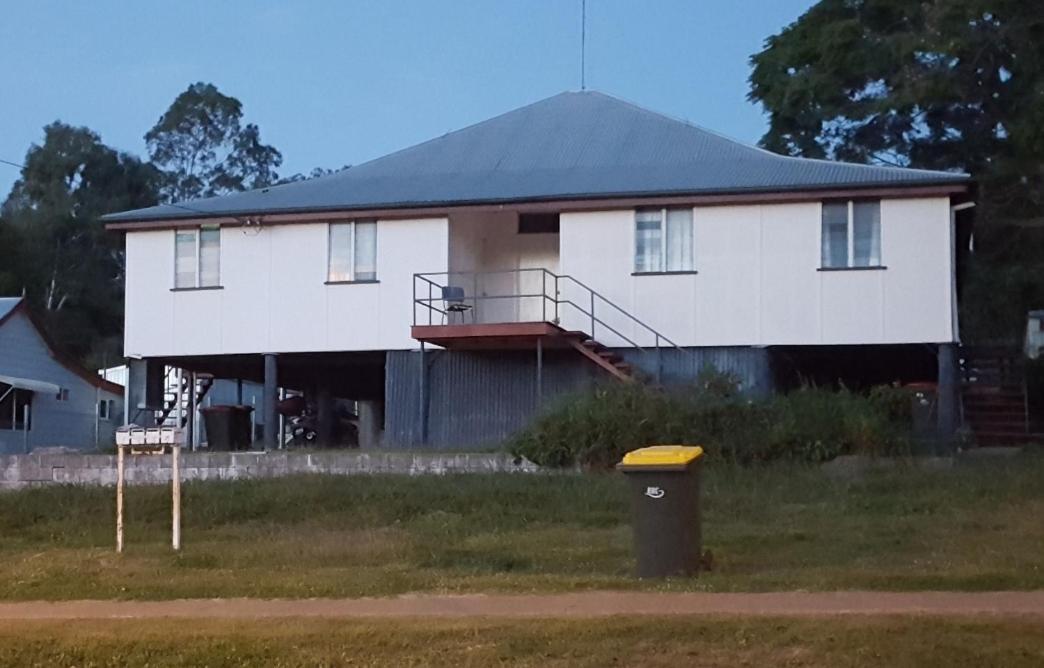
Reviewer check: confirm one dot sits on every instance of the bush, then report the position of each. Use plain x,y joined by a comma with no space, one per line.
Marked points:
595,429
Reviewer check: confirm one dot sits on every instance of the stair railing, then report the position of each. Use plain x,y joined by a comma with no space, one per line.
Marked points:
552,302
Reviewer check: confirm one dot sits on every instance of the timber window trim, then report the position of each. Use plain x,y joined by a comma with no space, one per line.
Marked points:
664,241
197,258
351,253
850,235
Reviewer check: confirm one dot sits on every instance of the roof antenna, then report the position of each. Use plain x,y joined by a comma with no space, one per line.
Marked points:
583,44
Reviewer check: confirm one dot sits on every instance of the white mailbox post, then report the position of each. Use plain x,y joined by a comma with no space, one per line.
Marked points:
150,442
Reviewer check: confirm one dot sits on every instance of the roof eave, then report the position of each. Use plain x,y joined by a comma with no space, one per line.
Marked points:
959,184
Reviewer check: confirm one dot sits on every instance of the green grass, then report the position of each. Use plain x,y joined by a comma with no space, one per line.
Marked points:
891,641
976,527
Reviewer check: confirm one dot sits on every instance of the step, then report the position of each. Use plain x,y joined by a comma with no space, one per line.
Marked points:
992,428
994,397
987,438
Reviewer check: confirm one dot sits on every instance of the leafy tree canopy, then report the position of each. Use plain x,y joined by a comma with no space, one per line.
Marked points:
938,84
203,148
71,269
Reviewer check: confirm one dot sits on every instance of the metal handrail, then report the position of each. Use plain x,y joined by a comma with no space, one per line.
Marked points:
556,300
622,312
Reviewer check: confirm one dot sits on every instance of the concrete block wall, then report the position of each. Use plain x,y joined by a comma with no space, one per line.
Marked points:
21,471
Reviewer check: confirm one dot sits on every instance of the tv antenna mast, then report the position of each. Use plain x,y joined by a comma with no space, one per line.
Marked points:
583,44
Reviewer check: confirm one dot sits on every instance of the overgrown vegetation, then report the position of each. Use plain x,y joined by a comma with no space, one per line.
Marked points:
546,643
595,429
779,527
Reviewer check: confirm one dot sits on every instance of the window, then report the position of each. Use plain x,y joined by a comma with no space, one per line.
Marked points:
663,248
63,395
851,236
15,404
197,258
353,252
538,223
105,407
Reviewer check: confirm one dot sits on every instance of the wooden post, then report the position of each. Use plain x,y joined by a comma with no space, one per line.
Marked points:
175,489
119,498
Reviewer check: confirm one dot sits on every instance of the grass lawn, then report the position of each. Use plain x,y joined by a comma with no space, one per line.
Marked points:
976,527
891,641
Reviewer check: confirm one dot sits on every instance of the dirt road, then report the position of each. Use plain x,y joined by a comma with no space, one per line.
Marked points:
585,604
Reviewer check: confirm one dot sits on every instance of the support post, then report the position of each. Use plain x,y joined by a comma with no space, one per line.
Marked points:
175,496
239,391
119,498
25,428
370,423
325,416
659,361
423,396
269,400
539,371
179,398
190,416
947,391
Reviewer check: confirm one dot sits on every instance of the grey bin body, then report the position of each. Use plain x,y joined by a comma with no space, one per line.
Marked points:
666,516
228,427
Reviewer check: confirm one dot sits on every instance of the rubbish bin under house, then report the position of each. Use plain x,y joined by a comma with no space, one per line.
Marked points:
665,497
228,427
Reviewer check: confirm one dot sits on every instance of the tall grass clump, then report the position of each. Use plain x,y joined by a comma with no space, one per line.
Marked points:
594,429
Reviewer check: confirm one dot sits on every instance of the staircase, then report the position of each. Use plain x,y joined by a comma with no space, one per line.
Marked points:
600,355
993,396
171,398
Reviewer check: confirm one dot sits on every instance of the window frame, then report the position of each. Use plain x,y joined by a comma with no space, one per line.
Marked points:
850,237
351,250
664,242
198,259
109,405
15,420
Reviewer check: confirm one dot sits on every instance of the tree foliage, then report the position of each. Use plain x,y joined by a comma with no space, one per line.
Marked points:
937,84
54,248
203,149
70,269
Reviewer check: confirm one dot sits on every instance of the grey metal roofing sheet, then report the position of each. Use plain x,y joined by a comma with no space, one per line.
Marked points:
7,305
570,146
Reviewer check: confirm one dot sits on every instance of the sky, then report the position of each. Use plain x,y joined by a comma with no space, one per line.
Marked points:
340,82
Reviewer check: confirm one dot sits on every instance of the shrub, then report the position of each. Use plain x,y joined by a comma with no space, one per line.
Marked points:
595,429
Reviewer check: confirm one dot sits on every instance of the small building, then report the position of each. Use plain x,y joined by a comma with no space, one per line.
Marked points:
46,398
454,287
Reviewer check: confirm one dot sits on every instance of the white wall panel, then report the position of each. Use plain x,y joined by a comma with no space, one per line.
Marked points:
149,303
274,296
758,281
789,280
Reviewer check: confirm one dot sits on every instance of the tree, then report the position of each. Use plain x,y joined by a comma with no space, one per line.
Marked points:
204,150
70,268
314,174
938,84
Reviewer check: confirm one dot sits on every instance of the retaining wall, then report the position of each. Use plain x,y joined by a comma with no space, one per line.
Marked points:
19,471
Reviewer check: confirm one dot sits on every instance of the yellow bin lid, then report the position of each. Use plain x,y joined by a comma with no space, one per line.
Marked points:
663,455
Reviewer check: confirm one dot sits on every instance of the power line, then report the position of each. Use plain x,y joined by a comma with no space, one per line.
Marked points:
13,164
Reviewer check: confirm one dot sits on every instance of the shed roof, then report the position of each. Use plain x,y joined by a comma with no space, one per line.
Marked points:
574,145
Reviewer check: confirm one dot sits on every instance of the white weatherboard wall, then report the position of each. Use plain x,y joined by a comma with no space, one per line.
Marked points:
757,281
490,242
274,297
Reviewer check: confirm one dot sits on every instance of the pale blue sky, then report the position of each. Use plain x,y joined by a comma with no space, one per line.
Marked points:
334,83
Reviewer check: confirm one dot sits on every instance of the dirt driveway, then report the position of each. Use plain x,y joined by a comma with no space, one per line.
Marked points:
585,604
